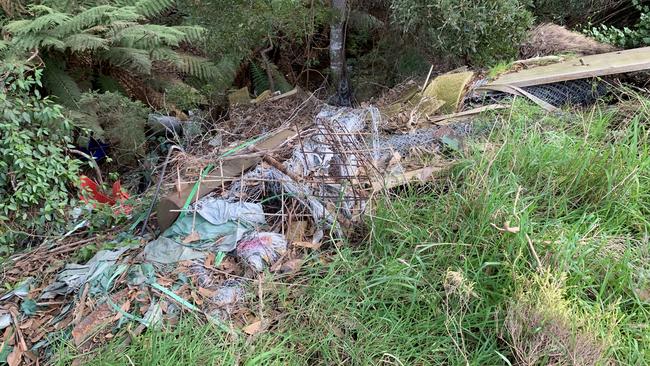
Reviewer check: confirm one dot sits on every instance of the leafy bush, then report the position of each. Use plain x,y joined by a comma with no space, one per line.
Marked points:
117,120
118,36
477,31
239,36
35,171
571,12
637,36
184,96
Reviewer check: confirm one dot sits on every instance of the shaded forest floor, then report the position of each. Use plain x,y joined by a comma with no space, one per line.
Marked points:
534,250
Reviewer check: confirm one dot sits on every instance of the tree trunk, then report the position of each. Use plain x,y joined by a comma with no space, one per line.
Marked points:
338,67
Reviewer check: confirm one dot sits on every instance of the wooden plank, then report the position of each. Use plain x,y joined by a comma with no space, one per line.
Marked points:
448,119
579,68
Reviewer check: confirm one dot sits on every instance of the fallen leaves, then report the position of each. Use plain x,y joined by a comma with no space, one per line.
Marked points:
206,292
307,244
254,328
507,228
194,236
291,266
15,357
96,320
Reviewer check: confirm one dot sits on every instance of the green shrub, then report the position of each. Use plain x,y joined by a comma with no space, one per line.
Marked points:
184,96
117,120
476,31
571,12
637,36
35,172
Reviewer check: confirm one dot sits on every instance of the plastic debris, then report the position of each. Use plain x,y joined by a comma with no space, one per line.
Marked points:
92,193
278,183
311,181
75,275
226,299
5,319
217,219
21,290
261,249
159,123
167,251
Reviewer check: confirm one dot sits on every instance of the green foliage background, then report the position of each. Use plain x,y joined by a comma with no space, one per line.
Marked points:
35,170
477,31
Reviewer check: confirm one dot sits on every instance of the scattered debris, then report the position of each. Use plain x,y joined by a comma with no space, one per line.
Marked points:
236,209
92,194
260,249
449,88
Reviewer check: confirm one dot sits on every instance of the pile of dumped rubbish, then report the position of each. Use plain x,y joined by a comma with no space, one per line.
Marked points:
253,206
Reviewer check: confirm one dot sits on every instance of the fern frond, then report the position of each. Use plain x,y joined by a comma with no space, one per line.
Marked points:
152,8
259,78
16,26
148,36
60,84
165,54
38,40
124,14
84,20
198,67
44,22
191,33
133,59
113,28
41,9
84,42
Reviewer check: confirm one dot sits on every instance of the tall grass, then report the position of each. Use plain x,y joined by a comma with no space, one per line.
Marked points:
443,280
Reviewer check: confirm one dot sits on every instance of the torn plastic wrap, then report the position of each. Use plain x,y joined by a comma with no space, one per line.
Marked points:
74,276
261,249
167,251
228,297
219,223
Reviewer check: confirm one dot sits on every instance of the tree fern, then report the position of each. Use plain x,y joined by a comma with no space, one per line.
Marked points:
165,54
83,20
191,34
41,23
85,42
17,26
133,59
199,67
38,40
60,84
147,36
11,8
152,8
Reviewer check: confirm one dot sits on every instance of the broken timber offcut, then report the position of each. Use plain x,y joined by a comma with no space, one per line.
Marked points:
578,68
